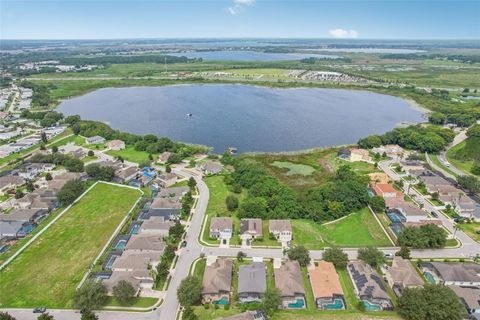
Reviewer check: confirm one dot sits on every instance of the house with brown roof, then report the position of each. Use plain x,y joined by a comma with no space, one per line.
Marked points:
138,279
469,296
359,155
163,157
165,203
116,145
145,243
167,179
402,275
327,290
156,226
10,182
135,261
217,282
369,286
173,192
408,211
250,229
126,174
386,190
282,230
221,228
289,281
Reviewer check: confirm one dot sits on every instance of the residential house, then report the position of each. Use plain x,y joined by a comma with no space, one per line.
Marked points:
173,192
379,177
252,282
386,190
466,207
157,226
390,150
409,212
327,290
289,281
454,273
116,145
23,215
165,203
402,275
95,140
359,155
78,153
167,179
10,182
250,229
163,157
134,261
12,229
469,296
282,230
369,286
221,228
33,170
126,174
145,243
433,182
165,213
217,282
139,279
211,167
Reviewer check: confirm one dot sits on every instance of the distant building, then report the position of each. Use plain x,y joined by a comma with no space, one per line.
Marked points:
95,140
386,190
402,275
116,145
163,157
359,155
211,167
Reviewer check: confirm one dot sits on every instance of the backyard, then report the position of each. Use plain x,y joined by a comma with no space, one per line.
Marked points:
132,155
49,270
356,230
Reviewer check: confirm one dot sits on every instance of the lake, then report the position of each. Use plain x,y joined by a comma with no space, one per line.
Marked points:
240,55
247,117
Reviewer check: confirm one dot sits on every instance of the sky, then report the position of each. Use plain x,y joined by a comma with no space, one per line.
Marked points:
109,19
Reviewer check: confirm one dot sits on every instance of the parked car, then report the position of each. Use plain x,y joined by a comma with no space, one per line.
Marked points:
39,310
434,214
183,244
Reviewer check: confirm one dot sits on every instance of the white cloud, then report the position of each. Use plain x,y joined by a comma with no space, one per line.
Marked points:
239,6
247,2
342,33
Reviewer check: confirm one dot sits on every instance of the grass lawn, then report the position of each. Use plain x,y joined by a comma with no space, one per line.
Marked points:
138,302
464,165
48,271
132,155
78,140
357,230
358,166
435,160
294,168
471,229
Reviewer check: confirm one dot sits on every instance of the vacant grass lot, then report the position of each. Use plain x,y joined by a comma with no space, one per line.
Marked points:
464,165
356,230
294,168
48,271
471,230
132,155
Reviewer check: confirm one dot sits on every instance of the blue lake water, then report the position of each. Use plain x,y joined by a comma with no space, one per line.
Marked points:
247,117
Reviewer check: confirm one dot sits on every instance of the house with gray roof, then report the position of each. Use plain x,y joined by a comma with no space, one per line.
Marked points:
95,140
165,203
167,179
369,286
146,243
211,167
138,279
173,192
156,226
249,315
250,229
402,275
454,273
217,282
289,281
282,230
11,229
252,282
135,261
24,215
10,182
221,228
469,296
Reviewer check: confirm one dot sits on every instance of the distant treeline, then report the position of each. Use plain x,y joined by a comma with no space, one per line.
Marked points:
417,56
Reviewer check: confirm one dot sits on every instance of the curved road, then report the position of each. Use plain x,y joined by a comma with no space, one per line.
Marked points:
170,305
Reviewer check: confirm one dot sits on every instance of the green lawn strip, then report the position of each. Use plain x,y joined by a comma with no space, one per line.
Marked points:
15,247
200,269
356,230
434,158
137,302
49,270
311,304
132,155
266,241
385,221
471,230
464,165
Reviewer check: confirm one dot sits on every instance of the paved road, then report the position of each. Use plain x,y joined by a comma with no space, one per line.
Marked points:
442,155
168,310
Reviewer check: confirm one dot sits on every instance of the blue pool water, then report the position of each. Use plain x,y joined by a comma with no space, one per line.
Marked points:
297,305
397,228
134,229
336,305
394,216
121,244
371,307
4,248
429,277
221,302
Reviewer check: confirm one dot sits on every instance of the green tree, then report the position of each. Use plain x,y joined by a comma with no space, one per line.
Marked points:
475,168
176,231
6,316
48,176
124,292
253,207
426,236
336,256
88,315
371,256
29,186
43,137
189,291
431,302
54,149
168,169
188,314
300,254
404,252
377,203
271,300
232,202
45,316
470,183
92,295
19,193
90,153
192,183
70,191
240,256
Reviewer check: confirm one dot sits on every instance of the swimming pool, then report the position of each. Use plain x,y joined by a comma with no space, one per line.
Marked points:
221,302
397,228
395,217
371,306
110,262
4,248
429,277
336,305
121,244
297,305
134,229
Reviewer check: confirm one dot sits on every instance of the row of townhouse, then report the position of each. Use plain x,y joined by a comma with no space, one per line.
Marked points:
29,141
250,229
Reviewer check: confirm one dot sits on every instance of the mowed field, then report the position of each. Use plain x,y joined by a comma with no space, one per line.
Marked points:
49,270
